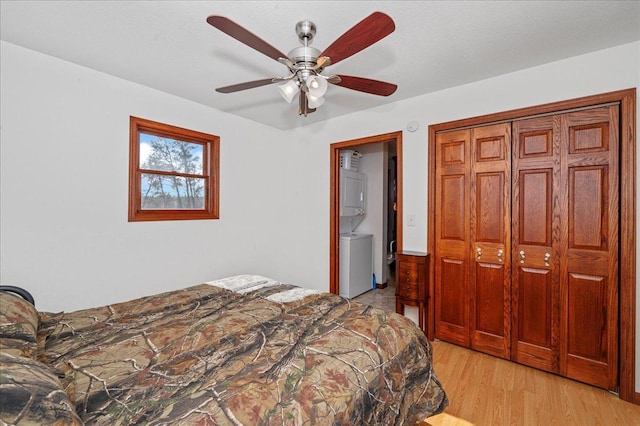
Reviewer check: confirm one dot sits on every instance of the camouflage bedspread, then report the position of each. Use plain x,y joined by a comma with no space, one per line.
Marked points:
245,350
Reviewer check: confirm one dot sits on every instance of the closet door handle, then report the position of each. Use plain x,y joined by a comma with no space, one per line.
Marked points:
500,255
478,253
547,257
522,257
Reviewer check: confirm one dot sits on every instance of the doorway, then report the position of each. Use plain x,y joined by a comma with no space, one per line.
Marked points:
389,141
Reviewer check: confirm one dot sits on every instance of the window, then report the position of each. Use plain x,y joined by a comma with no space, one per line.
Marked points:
173,172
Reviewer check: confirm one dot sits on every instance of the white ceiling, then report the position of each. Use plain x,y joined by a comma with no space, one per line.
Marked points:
169,46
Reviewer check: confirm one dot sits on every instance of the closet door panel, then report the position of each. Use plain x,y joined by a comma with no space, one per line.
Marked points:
535,207
535,289
589,292
451,308
490,224
536,235
453,202
452,237
490,207
490,312
588,208
534,333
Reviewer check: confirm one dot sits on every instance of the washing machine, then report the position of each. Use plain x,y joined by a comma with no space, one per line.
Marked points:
356,264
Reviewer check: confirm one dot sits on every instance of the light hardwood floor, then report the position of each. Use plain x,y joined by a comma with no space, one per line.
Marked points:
484,390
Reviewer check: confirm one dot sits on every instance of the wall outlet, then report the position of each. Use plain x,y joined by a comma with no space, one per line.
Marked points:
411,220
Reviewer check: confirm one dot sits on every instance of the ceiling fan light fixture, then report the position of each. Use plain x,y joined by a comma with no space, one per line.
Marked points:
314,101
317,86
288,90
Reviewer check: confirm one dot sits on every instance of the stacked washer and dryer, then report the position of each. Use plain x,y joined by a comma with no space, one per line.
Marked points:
356,249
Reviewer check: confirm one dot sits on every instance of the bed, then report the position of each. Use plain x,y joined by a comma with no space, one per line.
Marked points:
244,350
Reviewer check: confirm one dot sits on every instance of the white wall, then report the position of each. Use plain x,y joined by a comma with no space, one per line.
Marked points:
64,181
67,238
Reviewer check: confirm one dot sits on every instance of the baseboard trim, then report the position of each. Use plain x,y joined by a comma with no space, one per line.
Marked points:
382,285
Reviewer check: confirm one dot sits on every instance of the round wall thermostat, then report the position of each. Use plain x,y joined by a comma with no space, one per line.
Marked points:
412,126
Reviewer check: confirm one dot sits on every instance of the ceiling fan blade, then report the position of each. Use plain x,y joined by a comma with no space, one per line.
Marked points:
247,85
374,87
245,36
362,35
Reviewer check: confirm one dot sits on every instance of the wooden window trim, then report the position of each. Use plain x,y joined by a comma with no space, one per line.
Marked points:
210,162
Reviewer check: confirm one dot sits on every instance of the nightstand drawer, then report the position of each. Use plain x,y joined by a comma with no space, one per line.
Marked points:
406,265
407,273
407,290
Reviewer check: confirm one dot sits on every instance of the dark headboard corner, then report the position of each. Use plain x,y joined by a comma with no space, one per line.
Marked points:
19,291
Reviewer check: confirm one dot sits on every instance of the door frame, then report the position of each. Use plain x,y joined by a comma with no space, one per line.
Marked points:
627,231
334,189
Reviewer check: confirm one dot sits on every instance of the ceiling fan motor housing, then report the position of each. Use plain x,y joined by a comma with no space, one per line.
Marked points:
306,30
304,54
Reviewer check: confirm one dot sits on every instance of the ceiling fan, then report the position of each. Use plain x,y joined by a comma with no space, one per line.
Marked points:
305,64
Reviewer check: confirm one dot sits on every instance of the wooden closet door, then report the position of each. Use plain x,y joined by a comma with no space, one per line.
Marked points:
589,253
472,273
452,237
565,245
490,237
536,238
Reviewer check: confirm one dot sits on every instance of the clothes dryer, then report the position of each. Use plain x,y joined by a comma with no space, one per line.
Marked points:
356,264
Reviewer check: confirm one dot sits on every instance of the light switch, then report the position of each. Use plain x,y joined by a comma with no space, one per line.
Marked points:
412,220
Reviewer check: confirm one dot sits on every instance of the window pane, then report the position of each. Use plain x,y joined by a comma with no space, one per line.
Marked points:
170,155
172,192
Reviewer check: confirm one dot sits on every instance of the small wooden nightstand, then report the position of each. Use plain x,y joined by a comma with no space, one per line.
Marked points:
412,283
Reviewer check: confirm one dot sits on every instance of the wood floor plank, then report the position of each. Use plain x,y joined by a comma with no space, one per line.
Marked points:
485,390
